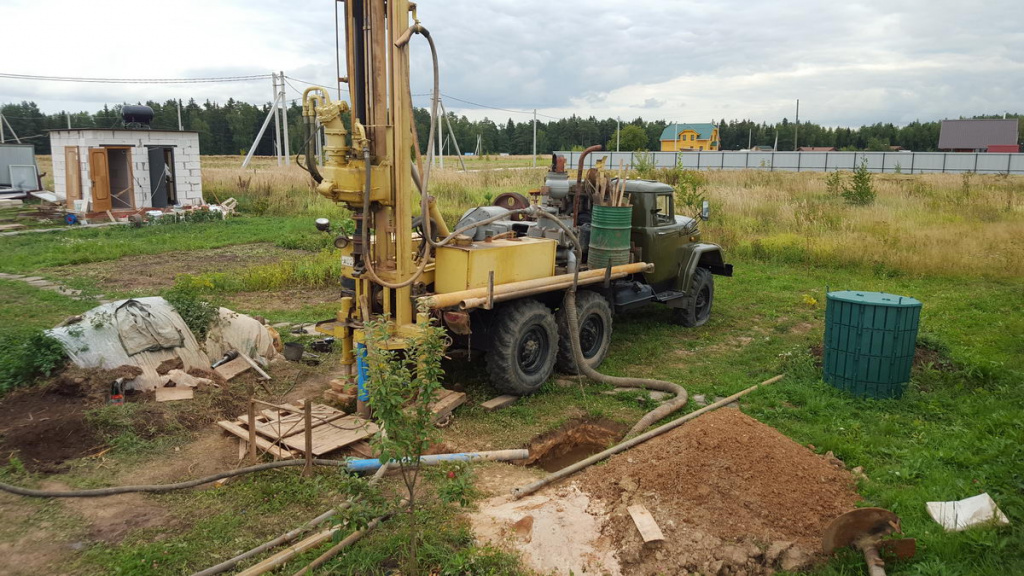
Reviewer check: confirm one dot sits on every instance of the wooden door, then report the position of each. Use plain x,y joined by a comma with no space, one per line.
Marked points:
72,176
99,174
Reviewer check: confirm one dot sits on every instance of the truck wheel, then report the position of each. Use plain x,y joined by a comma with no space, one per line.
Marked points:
525,344
698,308
595,317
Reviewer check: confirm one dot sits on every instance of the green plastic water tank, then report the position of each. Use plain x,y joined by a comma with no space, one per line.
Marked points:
869,342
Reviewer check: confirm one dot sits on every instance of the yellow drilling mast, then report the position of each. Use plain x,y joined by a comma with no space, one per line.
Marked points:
371,171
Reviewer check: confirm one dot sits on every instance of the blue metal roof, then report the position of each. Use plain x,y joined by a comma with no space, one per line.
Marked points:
671,132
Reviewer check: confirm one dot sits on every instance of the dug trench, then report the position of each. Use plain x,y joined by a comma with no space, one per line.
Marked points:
730,494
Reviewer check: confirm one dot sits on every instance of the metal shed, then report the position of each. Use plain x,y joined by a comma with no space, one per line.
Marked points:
126,169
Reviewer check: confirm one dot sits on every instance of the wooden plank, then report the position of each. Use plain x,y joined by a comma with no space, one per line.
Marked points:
261,443
233,368
645,523
499,402
446,402
361,449
334,435
279,424
172,393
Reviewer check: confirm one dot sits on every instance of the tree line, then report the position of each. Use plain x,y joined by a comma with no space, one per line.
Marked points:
230,128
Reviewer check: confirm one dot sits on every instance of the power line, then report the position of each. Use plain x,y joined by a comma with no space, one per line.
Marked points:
135,80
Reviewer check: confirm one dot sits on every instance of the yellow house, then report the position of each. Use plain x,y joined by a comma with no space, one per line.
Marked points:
689,137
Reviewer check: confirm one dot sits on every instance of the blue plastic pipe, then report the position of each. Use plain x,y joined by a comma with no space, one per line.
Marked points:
362,373
372,464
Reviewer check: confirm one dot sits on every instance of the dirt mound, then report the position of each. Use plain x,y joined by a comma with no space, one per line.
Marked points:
90,383
729,493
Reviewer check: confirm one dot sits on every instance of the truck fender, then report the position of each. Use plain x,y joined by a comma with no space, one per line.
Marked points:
703,255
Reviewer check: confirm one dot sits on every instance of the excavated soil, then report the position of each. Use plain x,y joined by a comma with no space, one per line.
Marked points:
731,495
48,425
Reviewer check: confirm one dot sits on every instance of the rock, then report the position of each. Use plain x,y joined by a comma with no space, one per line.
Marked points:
859,473
629,484
775,549
700,400
794,559
731,555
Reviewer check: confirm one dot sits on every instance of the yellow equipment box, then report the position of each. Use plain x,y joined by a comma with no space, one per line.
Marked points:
464,267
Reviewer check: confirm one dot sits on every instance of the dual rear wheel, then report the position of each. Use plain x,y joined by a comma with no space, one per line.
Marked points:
530,341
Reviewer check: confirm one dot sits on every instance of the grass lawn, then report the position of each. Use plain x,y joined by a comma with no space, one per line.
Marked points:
958,430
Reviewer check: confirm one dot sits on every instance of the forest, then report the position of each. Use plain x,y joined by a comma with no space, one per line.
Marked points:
230,128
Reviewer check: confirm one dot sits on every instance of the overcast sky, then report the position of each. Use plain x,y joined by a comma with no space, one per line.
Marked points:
849,63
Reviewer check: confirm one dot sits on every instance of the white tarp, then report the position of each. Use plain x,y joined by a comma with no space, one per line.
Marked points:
145,332
962,514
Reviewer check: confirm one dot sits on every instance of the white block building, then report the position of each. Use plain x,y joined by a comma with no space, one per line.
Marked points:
126,169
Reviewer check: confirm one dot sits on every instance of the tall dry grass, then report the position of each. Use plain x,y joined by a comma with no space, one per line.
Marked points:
944,224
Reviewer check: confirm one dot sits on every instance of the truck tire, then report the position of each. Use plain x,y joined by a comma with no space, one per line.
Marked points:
595,317
525,345
698,306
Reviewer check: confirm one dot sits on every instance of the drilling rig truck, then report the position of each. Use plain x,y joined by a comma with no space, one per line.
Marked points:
497,280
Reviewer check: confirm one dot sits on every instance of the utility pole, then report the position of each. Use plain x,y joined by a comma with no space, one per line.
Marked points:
440,136
179,116
618,132
69,120
1,128
534,137
796,129
277,126
284,120
9,127
750,138
455,141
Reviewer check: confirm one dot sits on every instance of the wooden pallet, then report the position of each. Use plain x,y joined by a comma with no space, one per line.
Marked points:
334,435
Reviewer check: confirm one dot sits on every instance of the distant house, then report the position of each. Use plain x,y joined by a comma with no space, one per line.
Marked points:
817,148
977,135
689,137
126,169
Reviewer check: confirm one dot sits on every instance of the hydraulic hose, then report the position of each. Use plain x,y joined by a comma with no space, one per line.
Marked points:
574,336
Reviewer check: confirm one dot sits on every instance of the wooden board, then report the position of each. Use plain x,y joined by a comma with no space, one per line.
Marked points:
261,443
229,370
172,393
334,435
499,402
445,402
645,523
277,424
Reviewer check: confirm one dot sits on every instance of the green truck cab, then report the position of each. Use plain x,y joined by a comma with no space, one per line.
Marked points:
683,265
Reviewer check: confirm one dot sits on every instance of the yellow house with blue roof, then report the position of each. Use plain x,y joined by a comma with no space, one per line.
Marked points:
689,137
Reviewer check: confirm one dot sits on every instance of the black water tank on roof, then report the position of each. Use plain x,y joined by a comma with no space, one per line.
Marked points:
137,115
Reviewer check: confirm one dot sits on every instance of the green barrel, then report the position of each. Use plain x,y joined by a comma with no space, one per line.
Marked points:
609,236
869,342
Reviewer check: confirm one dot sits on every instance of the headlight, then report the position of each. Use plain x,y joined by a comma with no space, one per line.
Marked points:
341,241
323,224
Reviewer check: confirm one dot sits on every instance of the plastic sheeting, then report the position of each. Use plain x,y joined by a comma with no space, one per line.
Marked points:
145,332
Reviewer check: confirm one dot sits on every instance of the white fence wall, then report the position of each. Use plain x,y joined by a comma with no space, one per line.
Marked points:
882,162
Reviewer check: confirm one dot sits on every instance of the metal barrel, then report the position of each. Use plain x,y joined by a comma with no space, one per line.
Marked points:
870,339
609,236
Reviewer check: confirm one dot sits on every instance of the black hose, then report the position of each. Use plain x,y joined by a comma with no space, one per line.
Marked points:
161,488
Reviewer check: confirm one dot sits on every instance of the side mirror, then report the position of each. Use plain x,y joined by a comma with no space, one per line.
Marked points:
705,211
323,224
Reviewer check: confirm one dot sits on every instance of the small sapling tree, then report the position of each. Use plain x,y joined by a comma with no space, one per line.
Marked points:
402,384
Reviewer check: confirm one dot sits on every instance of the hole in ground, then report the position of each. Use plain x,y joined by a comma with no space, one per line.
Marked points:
573,442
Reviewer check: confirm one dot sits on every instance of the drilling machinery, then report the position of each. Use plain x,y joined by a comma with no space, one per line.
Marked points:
496,283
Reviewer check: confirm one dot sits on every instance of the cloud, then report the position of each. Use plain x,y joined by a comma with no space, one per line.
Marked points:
849,63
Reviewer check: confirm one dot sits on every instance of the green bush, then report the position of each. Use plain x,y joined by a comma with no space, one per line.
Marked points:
190,298
26,357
